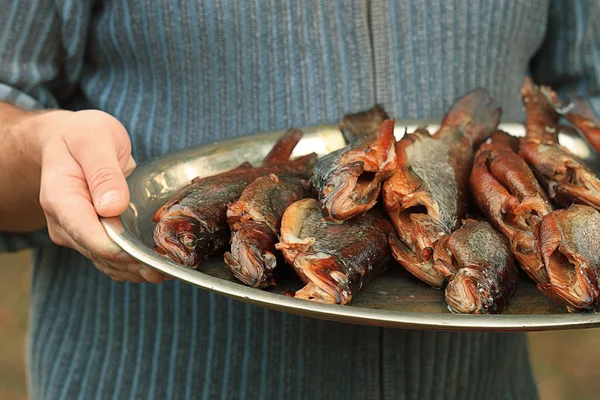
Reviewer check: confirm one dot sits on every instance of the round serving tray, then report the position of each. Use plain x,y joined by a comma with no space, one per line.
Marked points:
395,299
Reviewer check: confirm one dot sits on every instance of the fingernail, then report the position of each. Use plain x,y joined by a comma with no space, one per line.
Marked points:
144,273
110,197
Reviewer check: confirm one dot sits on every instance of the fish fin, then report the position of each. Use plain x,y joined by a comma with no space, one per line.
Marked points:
244,165
583,108
476,114
357,126
501,140
282,150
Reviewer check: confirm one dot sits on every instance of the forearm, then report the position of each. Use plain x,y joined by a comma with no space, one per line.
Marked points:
20,209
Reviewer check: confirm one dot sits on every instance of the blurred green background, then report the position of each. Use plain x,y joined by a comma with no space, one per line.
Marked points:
565,362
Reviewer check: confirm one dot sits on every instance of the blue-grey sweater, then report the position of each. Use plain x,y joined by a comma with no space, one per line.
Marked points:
178,73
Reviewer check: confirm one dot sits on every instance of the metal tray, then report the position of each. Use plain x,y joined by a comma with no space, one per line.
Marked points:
395,299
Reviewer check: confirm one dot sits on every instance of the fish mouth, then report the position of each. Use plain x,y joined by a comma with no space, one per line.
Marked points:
463,295
252,258
578,183
182,239
297,214
422,269
524,246
419,233
325,282
356,191
356,184
321,272
417,221
571,280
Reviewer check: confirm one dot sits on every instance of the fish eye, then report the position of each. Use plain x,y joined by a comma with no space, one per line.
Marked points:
188,240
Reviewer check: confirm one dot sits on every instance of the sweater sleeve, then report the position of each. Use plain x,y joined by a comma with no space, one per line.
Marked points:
569,58
42,45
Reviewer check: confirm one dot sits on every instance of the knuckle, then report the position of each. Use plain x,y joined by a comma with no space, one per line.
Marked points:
105,121
47,200
103,176
56,237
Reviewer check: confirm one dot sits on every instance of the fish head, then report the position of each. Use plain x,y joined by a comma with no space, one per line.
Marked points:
252,258
464,296
182,238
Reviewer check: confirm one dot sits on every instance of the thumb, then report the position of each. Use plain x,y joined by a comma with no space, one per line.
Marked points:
98,156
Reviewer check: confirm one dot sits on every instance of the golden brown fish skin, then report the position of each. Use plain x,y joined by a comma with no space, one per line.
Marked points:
348,181
569,246
193,224
334,260
564,176
579,113
479,266
427,196
362,124
507,192
266,199
255,219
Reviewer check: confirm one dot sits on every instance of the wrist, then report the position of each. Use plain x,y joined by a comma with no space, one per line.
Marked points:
31,130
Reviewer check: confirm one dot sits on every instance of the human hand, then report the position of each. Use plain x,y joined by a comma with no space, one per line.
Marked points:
85,157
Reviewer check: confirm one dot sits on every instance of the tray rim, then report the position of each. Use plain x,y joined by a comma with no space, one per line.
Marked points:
348,314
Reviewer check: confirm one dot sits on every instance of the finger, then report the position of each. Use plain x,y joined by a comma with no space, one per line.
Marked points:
103,157
125,268
133,265
130,264
59,237
66,201
153,276
134,273
120,275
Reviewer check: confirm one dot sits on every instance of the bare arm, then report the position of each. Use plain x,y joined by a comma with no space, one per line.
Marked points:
20,209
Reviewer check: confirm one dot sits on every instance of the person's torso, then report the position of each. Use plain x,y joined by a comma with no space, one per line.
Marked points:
181,73
206,70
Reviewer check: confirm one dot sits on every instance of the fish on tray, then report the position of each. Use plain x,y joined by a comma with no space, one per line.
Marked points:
254,220
563,175
507,192
348,181
193,224
549,245
426,197
334,260
478,264
569,247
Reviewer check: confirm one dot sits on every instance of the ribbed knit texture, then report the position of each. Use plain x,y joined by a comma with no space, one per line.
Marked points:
179,73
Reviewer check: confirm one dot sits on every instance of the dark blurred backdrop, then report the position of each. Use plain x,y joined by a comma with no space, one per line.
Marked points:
565,362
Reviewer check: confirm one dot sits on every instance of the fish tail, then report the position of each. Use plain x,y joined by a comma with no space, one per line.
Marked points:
282,150
477,115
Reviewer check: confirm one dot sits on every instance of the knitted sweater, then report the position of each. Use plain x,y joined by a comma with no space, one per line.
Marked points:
179,73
